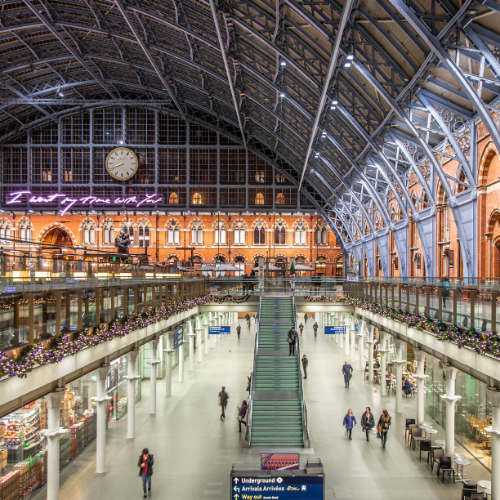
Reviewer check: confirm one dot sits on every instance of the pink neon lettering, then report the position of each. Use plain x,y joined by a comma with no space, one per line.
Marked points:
16,196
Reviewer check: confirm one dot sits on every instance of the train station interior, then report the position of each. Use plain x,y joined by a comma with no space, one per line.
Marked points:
249,249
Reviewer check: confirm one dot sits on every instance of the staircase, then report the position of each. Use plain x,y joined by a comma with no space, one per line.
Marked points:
276,408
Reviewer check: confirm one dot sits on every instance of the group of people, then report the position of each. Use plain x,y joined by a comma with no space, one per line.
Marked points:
242,410
315,328
367,423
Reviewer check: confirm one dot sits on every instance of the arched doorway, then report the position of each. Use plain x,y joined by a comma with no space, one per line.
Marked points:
57,236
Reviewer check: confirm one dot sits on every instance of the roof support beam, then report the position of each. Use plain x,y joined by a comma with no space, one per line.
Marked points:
346,12
228,72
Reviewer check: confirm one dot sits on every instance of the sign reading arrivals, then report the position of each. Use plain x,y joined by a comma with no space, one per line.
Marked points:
219,330
334,330
284,487
67,202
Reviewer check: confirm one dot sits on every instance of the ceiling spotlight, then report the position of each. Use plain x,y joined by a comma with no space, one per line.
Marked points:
60,93
333,107
283,63
316,155
282,95
350,53
347,64
324,133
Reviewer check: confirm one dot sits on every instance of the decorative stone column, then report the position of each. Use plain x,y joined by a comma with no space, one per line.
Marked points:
102,416
494,432
347,334
383,363
168,370
352,339
420,385
212,340
399,362
205,331
361,335
131,378
343,322
370,343
191,337
52,434
450,398
152,376
199,352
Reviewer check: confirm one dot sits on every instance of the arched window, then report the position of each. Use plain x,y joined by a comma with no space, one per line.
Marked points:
143,234
196,233
239,233
197,199
240,262
279,234
129,226
5,231
88,233
320,235
280,178
24,229
220,234
300,234
108,233
173,233
260,177
259,234
280,199
259,199
173,199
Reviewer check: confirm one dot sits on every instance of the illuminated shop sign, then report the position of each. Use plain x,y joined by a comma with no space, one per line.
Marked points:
67,202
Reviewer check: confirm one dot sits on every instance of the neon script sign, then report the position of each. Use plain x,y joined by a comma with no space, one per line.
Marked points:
67,202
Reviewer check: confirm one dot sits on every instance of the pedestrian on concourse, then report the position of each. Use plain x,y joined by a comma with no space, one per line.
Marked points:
367,422
249,382
301,328
146,462
349,422
384,423
305,362
238,331
347,371
242,411
315,328
407,387
248,323
223,397
292,338
305,318
247,317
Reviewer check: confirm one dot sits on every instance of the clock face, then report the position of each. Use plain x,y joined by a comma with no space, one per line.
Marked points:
122,163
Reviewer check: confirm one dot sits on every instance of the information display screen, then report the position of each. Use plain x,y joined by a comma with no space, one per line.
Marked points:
178,336
285,487
334,330
219,330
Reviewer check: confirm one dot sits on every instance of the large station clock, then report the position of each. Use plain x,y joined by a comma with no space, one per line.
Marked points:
122,163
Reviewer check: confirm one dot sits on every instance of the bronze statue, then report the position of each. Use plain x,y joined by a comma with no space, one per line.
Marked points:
122,242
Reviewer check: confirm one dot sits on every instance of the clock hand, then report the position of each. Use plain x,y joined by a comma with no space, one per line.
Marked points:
117,165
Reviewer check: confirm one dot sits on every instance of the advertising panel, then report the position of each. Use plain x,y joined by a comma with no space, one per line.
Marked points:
279,461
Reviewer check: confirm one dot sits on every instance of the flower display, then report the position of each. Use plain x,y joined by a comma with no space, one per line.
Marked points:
229,298
69,344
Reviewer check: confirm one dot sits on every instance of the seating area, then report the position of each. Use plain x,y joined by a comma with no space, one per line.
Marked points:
476,427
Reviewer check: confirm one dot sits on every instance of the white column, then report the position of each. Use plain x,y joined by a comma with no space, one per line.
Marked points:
337,321
370,343
131,378
494,432
191,337
450,398
361,337
52,434
420,385
102,416
181,362
168,372
152,376
352,339
215,323
347,334
383,363
205,332
212,340
399,362
199,351
161,346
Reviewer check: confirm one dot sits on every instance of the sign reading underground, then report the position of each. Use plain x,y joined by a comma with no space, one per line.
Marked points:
297,487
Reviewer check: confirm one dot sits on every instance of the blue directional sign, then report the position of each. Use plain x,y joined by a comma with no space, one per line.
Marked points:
219,330
334,330
296,487
356,327
178,336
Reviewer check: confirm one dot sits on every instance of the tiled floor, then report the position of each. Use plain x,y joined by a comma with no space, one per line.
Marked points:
194,450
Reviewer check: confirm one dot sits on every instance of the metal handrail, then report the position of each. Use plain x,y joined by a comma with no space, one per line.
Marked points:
248,434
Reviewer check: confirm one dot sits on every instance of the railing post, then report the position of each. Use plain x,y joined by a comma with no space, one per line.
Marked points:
494,296
136,299
125,300
427,300
407,288
97,296
112,303
400,288
392,295
472,307
57,296
80,309
31,318
440,303
417,293
68,311
87,300
455,296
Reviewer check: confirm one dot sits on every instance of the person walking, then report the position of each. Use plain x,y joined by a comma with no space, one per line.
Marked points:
349,422
249,382
242,411
223,397
384,423
305,318
315,328
407,387
292,338
146,462
247,317
367,422
238,331
301,328
305,362
347,371
248,323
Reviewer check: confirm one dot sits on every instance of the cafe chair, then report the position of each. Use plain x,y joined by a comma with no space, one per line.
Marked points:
468,489
425,446
410,430
445,465
477,496
434,457
409,421
416,436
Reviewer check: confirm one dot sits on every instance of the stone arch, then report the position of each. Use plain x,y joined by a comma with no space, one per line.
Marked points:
239,255
172,220
492,220
485,162
144,221
239,221
56,225
301,256
283,223
127,223
172,256
84,221
196,221
220,255
23,220
258,256
258,222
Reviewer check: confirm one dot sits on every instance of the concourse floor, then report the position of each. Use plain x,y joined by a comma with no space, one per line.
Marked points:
194,450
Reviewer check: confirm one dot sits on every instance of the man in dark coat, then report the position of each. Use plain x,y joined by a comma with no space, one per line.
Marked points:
146,462
292,338
223,397
305,362
347,371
